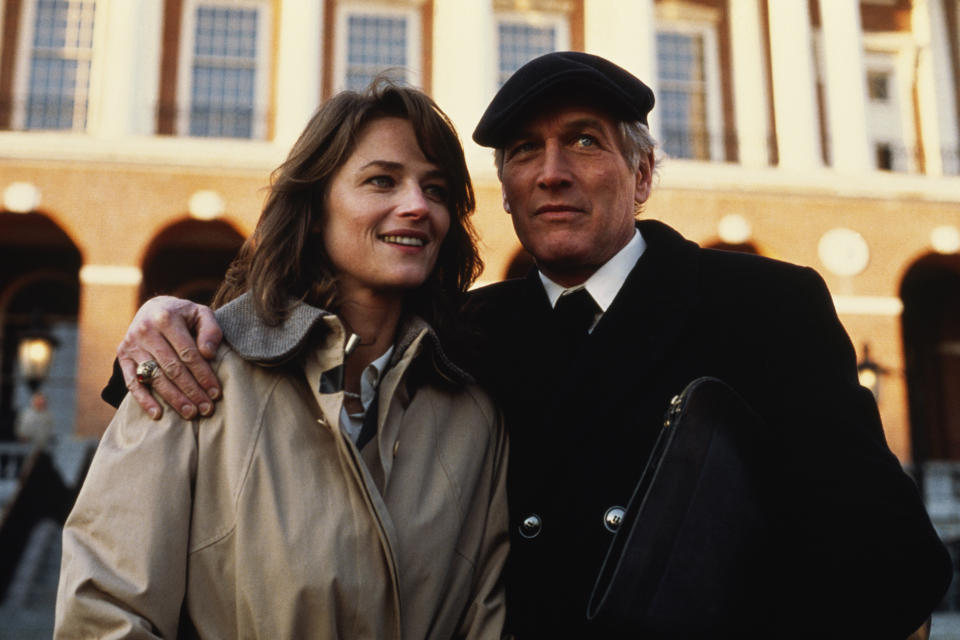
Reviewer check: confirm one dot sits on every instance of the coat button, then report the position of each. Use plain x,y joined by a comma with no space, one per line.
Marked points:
612,518
531,526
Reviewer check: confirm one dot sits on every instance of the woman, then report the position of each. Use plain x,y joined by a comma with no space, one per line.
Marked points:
352,482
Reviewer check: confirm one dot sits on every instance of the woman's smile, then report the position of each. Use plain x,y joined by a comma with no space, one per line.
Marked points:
405,240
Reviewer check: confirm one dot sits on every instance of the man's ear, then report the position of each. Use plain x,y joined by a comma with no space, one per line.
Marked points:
644,178
506,203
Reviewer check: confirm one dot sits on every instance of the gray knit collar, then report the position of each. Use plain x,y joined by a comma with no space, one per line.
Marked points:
255,341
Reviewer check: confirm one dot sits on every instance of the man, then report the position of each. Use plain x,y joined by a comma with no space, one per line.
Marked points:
855,553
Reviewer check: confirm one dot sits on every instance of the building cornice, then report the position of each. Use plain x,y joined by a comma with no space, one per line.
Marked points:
245,155
884,185
145,150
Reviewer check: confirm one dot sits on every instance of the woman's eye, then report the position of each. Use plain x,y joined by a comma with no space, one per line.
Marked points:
437,192
381,181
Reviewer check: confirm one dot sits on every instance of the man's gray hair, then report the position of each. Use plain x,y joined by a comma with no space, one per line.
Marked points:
636,142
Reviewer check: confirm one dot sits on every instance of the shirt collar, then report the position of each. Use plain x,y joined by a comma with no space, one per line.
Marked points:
605,283
371,378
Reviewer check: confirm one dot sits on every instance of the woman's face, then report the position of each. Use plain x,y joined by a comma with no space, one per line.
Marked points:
386,212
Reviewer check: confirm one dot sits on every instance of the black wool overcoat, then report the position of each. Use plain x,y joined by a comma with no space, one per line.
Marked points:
852,549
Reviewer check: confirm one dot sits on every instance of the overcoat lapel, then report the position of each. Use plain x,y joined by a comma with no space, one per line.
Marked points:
547,361
626,349
650,313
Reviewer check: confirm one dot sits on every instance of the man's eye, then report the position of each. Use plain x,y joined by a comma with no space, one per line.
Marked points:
586,140
522,147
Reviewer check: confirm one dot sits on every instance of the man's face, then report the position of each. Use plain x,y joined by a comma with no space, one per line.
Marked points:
570,192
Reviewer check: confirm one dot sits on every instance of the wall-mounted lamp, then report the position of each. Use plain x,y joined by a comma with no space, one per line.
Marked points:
21,197
869,372
36,352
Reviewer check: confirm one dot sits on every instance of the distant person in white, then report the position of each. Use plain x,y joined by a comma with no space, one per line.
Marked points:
34,423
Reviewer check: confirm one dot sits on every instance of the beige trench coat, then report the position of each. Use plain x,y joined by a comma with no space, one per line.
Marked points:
265,521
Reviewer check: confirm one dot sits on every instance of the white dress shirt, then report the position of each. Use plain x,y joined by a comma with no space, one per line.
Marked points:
606,282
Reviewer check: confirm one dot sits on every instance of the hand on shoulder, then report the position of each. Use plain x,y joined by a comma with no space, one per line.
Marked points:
180,336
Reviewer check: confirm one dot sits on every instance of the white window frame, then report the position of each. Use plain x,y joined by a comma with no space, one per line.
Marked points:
539,19
707,30
895,54
261,91
410,11
21,68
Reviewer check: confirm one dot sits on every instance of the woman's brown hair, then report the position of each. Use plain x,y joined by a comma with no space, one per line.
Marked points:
285,257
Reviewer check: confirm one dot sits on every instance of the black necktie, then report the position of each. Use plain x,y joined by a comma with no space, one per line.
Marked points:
575,312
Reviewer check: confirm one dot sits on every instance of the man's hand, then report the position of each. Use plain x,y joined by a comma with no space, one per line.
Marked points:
181,336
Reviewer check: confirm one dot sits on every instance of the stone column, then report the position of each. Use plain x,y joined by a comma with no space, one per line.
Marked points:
298,47
794,86
128,39
626,36
750,90
935,90
464,69
845,83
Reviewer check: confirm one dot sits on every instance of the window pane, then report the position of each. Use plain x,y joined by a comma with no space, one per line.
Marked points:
519,43
375,44
59,78
878,84
224,72
682,99
886,124
884,154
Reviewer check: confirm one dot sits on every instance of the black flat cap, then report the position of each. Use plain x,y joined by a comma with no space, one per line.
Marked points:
581,76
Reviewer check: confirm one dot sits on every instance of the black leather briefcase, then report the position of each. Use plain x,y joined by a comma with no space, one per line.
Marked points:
693,552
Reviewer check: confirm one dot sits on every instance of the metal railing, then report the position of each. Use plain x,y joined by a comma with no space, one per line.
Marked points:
13,458
38,493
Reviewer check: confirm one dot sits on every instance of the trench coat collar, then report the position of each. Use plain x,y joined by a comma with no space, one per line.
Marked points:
258,342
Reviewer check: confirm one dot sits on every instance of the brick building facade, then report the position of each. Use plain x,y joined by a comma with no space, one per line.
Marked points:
136,137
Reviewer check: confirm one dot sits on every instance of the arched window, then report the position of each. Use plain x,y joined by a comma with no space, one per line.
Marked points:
39,288
188,259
